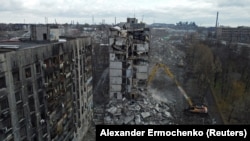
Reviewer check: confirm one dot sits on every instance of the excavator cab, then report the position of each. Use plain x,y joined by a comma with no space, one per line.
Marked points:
201,109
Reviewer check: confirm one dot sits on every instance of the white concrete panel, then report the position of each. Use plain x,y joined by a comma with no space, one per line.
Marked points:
120,41
141,75
115,80
128,73
114,33
129,88
111,41
2,58
116,65
142,47
89,80
142,68
54,34
115,88
130,80
123,33
3,67
112,56
115,72
119,96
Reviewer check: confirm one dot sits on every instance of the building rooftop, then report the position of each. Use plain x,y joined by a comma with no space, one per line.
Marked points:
12,45
6,46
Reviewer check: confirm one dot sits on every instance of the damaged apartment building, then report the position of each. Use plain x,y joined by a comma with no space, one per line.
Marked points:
129,59
46,89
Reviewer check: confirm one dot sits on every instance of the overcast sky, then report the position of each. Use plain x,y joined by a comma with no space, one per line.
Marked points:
202,12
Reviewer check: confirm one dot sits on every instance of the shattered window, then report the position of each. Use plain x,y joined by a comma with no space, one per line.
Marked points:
18,96
38,68
2,82
16,76
4,102
27,72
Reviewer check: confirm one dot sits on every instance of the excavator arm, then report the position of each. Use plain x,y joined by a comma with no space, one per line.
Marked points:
154,70
170,74
192,108
152,73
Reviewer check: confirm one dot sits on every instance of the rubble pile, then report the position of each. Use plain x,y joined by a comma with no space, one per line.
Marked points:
143,111
165,52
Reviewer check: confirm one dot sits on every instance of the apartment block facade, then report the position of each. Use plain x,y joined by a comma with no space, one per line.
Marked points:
46,90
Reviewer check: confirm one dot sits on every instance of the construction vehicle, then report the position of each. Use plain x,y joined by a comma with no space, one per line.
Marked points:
192,108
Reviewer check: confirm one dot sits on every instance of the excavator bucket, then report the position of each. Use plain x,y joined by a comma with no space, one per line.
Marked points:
202,109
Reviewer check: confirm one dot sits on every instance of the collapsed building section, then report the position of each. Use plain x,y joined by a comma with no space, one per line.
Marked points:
128,67
46,90
100,73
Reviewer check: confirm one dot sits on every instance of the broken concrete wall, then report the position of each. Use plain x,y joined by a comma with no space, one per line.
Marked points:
141,48
130,49
55,33
40,32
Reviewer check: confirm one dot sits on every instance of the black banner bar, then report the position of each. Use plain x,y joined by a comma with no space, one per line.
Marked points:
164,132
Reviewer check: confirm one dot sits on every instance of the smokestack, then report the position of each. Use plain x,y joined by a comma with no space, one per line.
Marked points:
216,24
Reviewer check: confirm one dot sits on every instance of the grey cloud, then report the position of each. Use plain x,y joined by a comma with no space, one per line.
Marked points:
233,3
200,11
11,5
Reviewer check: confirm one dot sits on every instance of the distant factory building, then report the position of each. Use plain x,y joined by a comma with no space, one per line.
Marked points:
233,35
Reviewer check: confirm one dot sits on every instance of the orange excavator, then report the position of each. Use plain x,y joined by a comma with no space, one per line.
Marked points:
201,109
198,109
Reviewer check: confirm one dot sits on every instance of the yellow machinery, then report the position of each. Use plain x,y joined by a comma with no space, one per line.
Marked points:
192,108
155,68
